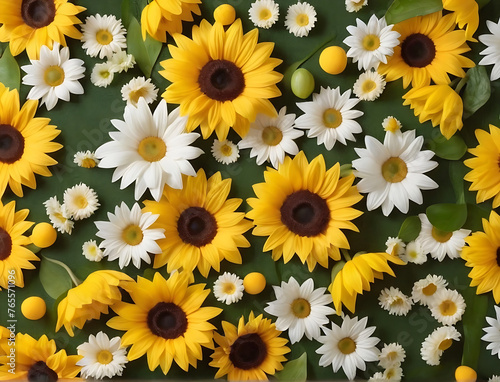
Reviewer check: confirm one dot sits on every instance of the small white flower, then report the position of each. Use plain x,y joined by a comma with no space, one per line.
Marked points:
121,61
139,87
437,342
493,333
103,35
369,86
492,51
225,151
300,19
391,124
395,246
494,378
81,201
355,5
228,288
391,355
91,251
102,75
264,13
86,159
393,373
394,301
377,377
414,253
447,306
424,290
59,215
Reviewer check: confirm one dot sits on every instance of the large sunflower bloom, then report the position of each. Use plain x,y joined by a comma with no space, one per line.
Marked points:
200,223
485,173
465,12
430,49
250,351
14,256
25,143
36,360
30,24
302,208
221,79
166,321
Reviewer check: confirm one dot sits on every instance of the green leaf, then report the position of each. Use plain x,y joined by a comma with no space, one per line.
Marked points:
10,75
477,91
54,278
295,370
146,52
473,322
126,13
475,216
401,10
450,149
482,3
457,172
410,229
447,217
337,268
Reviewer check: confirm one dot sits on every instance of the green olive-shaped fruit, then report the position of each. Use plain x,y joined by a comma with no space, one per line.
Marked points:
302,83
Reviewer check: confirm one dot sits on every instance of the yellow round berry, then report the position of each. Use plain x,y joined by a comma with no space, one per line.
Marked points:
465,374
254,283
43,235
33,308
333,60
225,14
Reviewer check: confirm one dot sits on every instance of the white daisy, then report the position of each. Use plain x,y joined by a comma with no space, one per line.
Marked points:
228,288
348,346
300,19
264,13
395,246
103,35
492,51
377,377
300,309
391,355
447,306
121,61
437,342
440,243
81,201
391,124
59,215
85,159
424,290
355,5
225,151
329,118
91,251
494,378
270,138
392,173
393,373
369,86
394,301
102,74
127,235
414,253
102,357
371,43
151,150
139,87
493,333
54,76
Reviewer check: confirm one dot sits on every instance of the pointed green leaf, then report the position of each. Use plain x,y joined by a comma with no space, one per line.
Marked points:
10,74
477,91
337,268
450,149
126,13
145,52
447,217
54,278
295,370
473,322
457,172
410,229
401,10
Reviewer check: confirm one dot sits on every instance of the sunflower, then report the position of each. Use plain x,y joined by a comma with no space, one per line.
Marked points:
221,79
485,173
166,321
465,12
24,143
200,223
30,24
249,351
302,208
36,360
430,49
14,256
483,256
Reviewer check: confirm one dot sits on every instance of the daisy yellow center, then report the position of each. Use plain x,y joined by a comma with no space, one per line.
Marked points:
302,20
132,234
92,251
369,86
390,373
5,244
272,136
81,202
53,75
38,13
429,290
394,170
228,288
392,356
104,37
134,95
445,344
265,14
392,125
226,150
447,308
441,236
152,149
371,42
332,118
105,73
88,163
104,357
301,308
347,345
398,301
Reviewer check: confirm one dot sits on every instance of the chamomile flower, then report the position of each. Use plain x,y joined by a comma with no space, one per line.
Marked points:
391,124
447,306
393,373
121,61
91,251
394,301
494,378
102,74
377,377
59,215
139,87
414,253
54,76
492,51
355,5
103,35
300,19
81,201
395,246
270,138
329,117
437,342
225,151
264,13
86,159
424,290
370,44
369,86
493,333
228,288
392,354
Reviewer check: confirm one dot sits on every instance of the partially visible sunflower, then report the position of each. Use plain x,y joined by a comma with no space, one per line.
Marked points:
465,12
302,208
249,351
25,143
30,24
221,78
430,49
166,321
201,225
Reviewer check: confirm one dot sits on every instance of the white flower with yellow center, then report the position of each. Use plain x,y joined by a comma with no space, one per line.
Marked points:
494,378
121,61
329,117
54,76
392,173
86,159
414,253
377,377
127,235
394,301
424,290
391,355
369,86
150,149
437,342
139,87
370,44
91,251
103,36
225,151
264,13
391,124
300,19
393,373
348,346
81,201
355,5
395,246
300,309
447,307
228,288
102,74
493,333
59,215
102,357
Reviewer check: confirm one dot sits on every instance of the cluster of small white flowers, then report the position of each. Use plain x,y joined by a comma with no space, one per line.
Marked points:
103,73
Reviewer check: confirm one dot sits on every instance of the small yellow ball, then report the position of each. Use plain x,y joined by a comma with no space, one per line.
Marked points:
43,235
465,374
254,283
225,14
33,308
333,60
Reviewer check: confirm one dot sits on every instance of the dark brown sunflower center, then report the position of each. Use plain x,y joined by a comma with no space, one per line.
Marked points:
418,50
167,320
40,372
498,256
305,213
5,244
221,80
11,144
196,226
248,351
38,13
